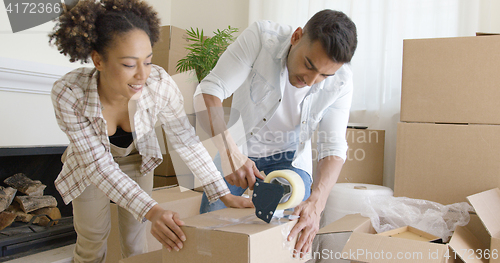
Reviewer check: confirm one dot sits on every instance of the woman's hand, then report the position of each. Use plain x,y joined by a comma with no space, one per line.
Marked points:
165,227
236,201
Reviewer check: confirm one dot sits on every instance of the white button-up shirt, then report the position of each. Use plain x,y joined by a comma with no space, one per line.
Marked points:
253,68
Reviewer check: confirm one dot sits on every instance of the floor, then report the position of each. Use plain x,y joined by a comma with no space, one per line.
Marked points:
58,255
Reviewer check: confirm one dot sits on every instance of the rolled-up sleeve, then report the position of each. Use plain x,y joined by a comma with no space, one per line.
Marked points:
332,128
233,66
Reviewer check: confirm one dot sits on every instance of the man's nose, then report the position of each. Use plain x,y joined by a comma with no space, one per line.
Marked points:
311,78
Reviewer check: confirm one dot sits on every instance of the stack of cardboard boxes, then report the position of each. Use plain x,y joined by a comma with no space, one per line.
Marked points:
448,144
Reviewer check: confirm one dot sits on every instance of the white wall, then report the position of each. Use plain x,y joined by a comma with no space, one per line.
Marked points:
32,45
489,19
164,9
210,15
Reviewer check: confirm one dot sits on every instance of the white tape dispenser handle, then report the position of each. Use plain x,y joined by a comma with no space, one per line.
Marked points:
296,184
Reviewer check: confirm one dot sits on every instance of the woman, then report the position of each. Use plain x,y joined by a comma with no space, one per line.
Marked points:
108,113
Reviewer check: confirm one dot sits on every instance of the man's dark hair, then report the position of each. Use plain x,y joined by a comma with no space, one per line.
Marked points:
336,32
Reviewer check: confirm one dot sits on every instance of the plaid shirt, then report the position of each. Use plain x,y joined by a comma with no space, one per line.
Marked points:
89,160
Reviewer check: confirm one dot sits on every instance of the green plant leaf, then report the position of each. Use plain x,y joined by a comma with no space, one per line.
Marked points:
204,52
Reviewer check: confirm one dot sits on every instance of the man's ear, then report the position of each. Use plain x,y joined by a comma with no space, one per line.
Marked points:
97,59
297,35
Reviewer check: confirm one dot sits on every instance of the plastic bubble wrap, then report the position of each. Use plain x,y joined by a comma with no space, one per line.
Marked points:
388,212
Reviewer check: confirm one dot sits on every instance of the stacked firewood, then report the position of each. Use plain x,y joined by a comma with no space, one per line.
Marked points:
23,200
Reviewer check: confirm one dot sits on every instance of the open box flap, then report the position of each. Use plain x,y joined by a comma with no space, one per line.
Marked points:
487,206
465,245
365,247
348,223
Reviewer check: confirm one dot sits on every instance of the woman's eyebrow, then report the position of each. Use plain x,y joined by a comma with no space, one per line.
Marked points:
136,57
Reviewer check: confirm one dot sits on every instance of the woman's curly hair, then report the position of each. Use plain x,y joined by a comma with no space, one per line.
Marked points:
92,25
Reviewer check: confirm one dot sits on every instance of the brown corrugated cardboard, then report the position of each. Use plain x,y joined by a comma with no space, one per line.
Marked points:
480,242
170,48
487,206
233,235
150,257
465,245
365,157
183,201
349,223
408,232
451,80
162,181
445,163
365,246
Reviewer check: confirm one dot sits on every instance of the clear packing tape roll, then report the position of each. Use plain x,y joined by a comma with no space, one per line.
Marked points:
295,185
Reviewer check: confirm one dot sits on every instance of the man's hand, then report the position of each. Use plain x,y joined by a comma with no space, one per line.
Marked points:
240,170
165,227
307,226
236,201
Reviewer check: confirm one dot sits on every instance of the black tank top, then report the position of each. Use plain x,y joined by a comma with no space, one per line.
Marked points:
121,138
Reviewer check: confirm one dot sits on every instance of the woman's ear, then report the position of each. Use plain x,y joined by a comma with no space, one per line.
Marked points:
297,36
97,59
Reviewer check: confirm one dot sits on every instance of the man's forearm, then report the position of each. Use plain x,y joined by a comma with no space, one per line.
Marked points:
328,171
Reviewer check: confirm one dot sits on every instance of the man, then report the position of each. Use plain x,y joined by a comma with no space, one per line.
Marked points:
286,85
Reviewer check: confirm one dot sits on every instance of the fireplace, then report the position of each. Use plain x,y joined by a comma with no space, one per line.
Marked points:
43,164
31,143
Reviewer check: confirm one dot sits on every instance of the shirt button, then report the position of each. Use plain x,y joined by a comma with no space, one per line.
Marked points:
279,100
251,133
303,122
264,119
301,142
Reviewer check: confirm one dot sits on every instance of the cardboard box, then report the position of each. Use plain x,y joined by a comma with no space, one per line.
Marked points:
365,157
487,206
408,232
150,257
170,48
162,181
451,80
183,201
233,235
445,163
364,245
